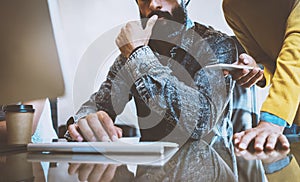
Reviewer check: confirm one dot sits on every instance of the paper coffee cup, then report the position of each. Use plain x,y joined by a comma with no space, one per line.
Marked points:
19,119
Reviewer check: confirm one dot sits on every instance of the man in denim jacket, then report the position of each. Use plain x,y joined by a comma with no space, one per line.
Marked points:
161,67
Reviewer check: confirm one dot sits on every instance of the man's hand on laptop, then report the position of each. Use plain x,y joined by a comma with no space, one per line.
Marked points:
133,35
95,127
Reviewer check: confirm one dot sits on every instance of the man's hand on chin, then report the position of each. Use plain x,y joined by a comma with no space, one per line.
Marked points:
133,35
265,135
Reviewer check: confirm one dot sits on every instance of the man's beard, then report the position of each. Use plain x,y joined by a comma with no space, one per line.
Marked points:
166,22
168,27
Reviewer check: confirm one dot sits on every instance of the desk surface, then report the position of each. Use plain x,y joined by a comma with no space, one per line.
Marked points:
195,161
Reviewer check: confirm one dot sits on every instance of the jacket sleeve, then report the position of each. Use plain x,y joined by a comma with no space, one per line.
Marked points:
112,95
195,108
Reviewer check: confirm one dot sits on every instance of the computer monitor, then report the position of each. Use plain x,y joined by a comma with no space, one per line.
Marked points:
29,61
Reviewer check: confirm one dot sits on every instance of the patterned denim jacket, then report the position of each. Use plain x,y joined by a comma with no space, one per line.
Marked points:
174,95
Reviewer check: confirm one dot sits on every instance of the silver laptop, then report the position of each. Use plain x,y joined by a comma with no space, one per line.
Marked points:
29,62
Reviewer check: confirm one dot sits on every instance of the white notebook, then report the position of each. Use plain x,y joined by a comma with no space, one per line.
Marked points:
102,147
95,158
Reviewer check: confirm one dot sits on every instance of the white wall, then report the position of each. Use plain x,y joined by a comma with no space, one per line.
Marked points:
78,23
209,12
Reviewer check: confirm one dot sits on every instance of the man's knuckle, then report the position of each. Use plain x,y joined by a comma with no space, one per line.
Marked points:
255,71
70,127
80,122
123,30
90,118
100,115
129,25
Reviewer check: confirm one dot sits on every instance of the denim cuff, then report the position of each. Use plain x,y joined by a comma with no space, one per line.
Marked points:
278,165
268,117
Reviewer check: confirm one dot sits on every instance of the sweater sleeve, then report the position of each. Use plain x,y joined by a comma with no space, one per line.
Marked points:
284,96
289,173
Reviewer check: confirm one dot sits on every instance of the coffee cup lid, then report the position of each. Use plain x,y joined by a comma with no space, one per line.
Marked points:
18,108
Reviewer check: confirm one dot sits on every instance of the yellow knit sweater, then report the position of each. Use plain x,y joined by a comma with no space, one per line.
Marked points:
269,30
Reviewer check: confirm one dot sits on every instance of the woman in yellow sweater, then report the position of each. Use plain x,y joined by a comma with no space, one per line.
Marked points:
270,33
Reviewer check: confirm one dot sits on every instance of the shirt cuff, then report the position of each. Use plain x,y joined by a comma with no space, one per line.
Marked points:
268,117
278,165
